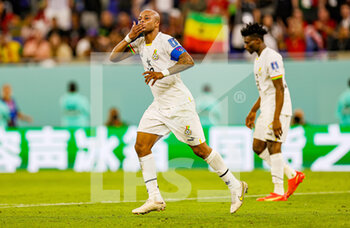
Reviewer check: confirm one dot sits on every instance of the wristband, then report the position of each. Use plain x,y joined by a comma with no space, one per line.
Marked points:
165,72
127,39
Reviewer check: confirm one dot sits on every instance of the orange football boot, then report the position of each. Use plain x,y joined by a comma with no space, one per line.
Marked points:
294,182
273,197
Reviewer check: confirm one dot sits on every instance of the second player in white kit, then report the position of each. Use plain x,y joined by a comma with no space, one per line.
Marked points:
268,67
274,102
173,108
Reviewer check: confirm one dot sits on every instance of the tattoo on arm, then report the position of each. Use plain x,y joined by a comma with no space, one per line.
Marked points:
185,62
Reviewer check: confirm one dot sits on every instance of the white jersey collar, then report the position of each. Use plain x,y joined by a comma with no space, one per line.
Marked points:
153,39
263,52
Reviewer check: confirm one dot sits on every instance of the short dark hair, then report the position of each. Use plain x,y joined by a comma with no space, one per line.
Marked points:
72,87
254,29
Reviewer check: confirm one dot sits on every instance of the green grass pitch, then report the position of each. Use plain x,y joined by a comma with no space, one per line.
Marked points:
32,200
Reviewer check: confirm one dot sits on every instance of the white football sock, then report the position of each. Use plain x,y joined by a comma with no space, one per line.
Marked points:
217,163
277,164
289,171
148,167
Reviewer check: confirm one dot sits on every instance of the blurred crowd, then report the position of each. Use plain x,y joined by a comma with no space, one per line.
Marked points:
66,30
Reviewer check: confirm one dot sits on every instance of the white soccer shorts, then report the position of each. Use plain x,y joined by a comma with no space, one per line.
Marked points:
263,128
182,120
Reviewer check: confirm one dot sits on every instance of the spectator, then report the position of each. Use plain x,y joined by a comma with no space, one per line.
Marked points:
91,14
10,50
87,44
244,15
55,28
298,118
308,8
123,23
115,37
15,112
76,33
107,23
37,48
333,7
267,6
60,9
61,51
209,110
114,119
15,28
295,41
325,26
274,34
342,41
75,108
5,17
343,110
176,22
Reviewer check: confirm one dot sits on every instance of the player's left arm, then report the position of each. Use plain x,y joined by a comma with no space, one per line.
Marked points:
279,96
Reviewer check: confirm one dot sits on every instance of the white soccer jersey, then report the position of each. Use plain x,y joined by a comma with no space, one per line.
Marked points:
163,53
267,67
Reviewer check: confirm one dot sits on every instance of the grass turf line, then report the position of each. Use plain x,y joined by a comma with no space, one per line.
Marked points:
326,210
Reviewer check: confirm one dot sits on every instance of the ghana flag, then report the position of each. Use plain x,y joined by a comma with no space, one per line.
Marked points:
205,32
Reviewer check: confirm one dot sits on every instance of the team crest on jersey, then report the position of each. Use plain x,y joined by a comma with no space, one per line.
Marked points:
155,56
188,131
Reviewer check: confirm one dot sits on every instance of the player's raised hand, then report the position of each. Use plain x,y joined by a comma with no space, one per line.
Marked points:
150,75
136,30
277,128
249,121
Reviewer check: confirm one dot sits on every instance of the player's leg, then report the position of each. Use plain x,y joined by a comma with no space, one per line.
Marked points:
288,171
261,136
260,148
294,177
214,159
277,164
149,131
143,146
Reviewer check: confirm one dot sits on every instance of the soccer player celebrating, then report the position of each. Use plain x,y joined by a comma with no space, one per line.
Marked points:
173,108
276,109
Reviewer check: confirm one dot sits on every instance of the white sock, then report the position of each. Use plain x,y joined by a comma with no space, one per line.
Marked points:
217,163
148,167
289,171
277,172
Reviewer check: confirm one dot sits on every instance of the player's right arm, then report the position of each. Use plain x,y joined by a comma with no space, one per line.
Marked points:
249,121
123,50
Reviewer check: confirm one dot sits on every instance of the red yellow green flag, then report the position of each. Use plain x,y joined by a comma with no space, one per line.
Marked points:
205,32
